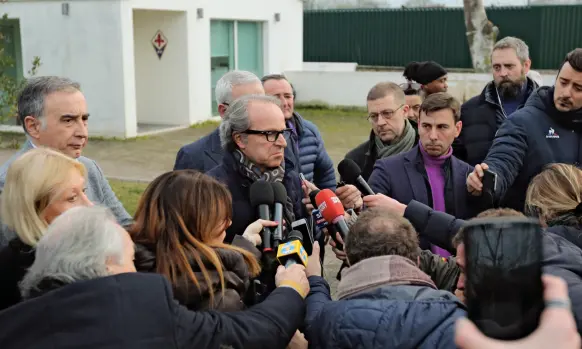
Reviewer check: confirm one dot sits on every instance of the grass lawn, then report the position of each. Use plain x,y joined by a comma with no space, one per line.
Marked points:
128,193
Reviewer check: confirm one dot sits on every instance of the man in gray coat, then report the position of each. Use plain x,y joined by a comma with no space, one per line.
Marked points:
53,112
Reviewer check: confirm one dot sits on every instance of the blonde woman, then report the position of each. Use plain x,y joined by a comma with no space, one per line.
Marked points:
555,197
40,185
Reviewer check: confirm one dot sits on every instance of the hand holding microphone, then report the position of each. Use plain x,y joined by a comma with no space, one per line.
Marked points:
352,174
292,255
253,231
333,211
292,251
262,198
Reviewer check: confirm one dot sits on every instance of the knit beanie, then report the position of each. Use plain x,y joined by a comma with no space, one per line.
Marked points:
424,72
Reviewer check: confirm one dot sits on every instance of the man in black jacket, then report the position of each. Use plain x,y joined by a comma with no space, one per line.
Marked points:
547,130
391,134
482,115
82,291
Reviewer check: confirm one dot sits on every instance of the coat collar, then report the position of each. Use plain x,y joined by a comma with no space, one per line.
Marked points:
489,93
215,151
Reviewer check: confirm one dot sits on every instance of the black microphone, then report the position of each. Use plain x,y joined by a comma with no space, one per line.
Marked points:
312,196
352,174
280,200
262,198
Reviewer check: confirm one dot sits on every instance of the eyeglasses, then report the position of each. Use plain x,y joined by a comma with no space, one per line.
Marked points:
410,87
386,115
271,136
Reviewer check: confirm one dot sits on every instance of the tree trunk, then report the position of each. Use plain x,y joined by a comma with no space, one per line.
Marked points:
481,34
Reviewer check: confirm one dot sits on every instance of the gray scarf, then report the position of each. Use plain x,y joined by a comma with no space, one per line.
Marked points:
381,271
404,143
253,173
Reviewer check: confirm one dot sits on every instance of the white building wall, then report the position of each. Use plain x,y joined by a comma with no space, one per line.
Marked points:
85,46
94,45
161,84
283,40
345,88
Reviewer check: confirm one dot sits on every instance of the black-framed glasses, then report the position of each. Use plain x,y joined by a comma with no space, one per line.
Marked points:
386,115
271,136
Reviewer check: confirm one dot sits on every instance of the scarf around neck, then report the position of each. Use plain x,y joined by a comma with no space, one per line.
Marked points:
380,271
404,143
253,173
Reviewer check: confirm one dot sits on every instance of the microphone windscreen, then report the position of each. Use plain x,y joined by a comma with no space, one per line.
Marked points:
261,193
312,196
279,192
349,170
329,205
295,235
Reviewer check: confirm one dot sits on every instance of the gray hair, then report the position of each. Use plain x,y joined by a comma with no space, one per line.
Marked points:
31,98
519,46
75,247
224,85
236,118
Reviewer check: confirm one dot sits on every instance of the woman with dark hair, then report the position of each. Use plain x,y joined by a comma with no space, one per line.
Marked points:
179,229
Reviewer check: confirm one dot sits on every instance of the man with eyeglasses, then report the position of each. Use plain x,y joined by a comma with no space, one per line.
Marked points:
392,134
428,173
206,153
253,136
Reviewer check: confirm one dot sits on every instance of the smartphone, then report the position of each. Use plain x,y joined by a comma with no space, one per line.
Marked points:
301,226
489,181
503,286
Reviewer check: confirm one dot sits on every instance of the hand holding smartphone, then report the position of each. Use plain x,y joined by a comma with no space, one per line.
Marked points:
489,181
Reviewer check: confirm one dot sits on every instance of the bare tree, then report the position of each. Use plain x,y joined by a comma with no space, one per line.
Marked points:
309,4
481,34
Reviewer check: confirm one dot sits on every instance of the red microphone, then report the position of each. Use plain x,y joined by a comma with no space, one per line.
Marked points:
332,210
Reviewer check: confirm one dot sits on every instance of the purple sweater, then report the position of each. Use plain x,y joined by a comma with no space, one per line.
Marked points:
436,180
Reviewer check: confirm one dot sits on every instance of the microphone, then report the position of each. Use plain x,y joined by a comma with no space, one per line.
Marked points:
280,200
262,197
292,251
317,217
332,210
352,174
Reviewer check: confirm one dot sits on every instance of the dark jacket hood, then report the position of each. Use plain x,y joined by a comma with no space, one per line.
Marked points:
543,99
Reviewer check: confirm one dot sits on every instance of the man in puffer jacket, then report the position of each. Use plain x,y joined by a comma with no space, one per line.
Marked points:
547,130
306,141
385,300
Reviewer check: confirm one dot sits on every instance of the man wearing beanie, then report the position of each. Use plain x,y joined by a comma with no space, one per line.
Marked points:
431,75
